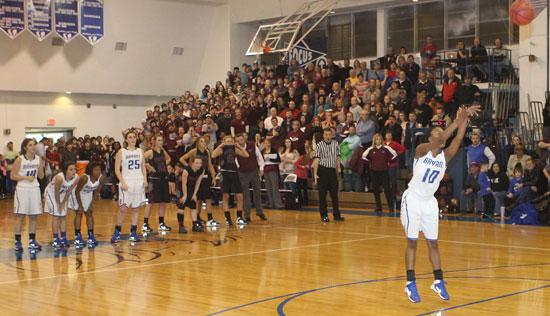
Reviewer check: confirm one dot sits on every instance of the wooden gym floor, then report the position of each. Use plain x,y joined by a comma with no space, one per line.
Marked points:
290,265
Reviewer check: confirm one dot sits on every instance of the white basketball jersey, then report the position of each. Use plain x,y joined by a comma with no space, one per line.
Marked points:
427,174
29,168
90,186
131,164
65,186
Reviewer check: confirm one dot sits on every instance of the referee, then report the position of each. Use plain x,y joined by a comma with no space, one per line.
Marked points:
326,165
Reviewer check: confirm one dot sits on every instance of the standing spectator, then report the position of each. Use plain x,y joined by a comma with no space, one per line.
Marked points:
272,115
450,86
289,156
479,152
378,157
477,68
365,129
224,122
352,178
412,69
392,126
470,195
69,154
294,68
377,73
467,93
303,165
10,155
342,73
423,111
239,124
393,166
519,158
326,166
355,109
271,175
404,83
486,191
297,137
3,174
499,186
361,86
209,128
429,50
276,135
388,59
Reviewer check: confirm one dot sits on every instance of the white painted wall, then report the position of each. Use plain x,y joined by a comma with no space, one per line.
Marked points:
150,27
20,110
533,76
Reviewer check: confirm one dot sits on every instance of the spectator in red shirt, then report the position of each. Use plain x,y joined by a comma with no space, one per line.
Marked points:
297,137
429,50
393,166
291,108
238,124
449,90
276,135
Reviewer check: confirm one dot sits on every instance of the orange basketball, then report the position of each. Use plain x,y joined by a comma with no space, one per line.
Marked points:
522,12
266,49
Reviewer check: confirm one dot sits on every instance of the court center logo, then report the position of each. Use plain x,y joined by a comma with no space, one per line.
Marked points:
305,55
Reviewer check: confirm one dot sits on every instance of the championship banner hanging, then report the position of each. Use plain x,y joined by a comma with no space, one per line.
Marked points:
66,19
12,17
91,20
39,18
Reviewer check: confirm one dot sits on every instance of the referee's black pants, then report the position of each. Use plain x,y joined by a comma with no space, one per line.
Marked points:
328,182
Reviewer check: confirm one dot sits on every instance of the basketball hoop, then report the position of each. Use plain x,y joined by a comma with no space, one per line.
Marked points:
260,42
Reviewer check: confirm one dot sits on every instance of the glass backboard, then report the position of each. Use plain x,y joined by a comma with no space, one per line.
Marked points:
274,38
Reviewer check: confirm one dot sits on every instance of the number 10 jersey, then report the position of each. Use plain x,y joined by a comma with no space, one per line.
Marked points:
427,174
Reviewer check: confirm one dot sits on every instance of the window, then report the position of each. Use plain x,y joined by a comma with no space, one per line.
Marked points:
339,36
431,20
493,21
365,34
461,22
401,28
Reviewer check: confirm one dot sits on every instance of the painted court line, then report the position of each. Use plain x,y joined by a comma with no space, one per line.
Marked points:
190,260
403,237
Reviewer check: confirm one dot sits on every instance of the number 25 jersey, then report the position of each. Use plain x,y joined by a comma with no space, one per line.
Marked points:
427,174
130,164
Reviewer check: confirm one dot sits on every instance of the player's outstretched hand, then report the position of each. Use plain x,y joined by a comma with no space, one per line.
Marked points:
473,110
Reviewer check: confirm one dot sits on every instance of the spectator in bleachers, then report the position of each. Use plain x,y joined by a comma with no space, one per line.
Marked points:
423,111
238,124
478,68
479,152
429,50
403,52
393,166
405,83
343,72
394,92
403,103
293,68
424,85
412,69
364,70
499,186
515,189
377,73
361,86
511,148
303,166
297,137
289,156
440,118
470,199
392,126
387,81
276,135
271,175
388,59
518,158
365,129
355,109
353,79
272,115
401,63
467,93
450,86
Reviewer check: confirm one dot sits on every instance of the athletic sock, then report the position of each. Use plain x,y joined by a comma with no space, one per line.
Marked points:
438,274
64,235
77,232
90,232
180,219
240,214
55,236
146,220
32,236
210,216
410,276
161,219
227,215
118,228
133,228
17,237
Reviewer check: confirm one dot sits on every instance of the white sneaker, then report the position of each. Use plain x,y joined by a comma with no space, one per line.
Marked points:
212,223
241,221
164,228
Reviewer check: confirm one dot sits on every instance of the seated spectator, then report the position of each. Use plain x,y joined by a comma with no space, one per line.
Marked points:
387,81
353,78
423,111
479,152
440,119
424,85
478,68
518,158
470,199
404,83
293,68
404,103
515,189
341,127
511,148
486,191
381,117
394,92
499,186
377,73
361,86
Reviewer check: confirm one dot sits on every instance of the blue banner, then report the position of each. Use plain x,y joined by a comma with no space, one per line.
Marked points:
12,17
91,20
66,19
39,18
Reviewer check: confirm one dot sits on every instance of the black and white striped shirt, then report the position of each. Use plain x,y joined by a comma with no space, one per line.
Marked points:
327,153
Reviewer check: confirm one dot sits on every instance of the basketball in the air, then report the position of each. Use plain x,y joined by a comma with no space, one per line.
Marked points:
266,49
522,12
